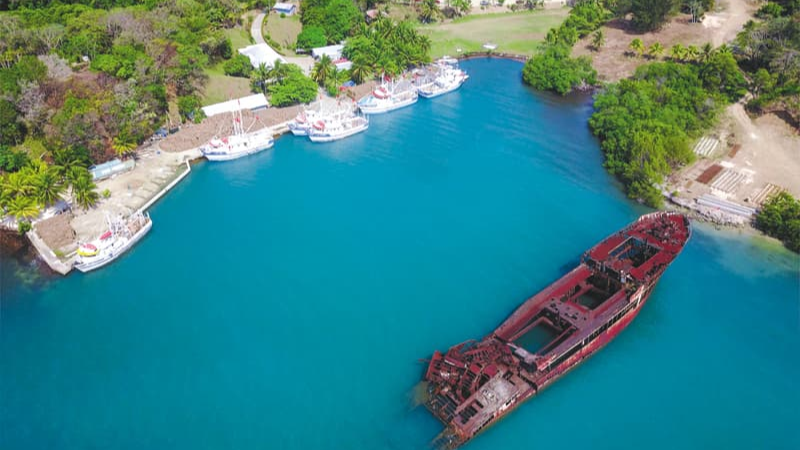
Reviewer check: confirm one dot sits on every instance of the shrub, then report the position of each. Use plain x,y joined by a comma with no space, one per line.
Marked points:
311,37
238,66
553,70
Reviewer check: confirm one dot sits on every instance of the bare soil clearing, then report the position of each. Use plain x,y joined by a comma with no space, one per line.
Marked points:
613,63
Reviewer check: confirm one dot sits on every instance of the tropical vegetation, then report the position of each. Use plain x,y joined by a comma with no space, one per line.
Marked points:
85,81
646,123
385,47
769,52
779,217
552,68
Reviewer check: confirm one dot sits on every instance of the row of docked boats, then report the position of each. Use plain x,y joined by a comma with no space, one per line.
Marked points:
433,81
440,78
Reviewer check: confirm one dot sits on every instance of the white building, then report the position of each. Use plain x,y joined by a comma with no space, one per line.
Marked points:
334,52
285,8
251,102
261,54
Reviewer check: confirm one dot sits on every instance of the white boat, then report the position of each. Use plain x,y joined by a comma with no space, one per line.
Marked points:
120,236
448,77
338,128
240,143
300,125
389,97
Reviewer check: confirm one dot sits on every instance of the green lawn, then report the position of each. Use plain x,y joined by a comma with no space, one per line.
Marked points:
239,38
221,87
283,31
519,32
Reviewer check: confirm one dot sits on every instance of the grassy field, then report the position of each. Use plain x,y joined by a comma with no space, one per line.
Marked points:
239,37
221,87
518,33
283,30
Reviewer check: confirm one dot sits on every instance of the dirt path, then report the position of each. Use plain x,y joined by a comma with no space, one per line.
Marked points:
724,25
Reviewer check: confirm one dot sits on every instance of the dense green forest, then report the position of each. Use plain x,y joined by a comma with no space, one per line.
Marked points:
780,218
646,123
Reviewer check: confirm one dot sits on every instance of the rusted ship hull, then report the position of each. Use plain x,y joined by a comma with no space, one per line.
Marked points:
474,384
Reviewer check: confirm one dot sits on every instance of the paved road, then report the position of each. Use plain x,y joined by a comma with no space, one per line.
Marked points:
255,29
305,62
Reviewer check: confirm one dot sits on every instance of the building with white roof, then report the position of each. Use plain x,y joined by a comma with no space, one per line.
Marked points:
285,8
261,54
334,52
251,102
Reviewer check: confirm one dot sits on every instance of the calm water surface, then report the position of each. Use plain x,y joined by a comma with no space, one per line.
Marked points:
284,301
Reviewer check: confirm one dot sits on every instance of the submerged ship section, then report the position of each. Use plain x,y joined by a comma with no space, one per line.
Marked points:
475,383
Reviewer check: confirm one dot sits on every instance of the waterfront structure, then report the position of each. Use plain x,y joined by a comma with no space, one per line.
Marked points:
255,102
389,96
121,236
446,78
474,384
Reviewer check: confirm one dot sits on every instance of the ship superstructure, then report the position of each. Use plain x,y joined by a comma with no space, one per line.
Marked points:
475,383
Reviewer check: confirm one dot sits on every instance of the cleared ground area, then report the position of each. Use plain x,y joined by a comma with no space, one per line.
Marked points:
518,33
613,61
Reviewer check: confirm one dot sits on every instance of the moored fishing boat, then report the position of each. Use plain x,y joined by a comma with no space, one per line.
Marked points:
338,128
388,97
447,78
240,143
121,236
474,384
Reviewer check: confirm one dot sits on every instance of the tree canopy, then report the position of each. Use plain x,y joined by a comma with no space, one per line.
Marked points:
779,217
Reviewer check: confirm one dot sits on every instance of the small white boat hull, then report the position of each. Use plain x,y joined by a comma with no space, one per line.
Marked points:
229,156
385,107
108,256
323,136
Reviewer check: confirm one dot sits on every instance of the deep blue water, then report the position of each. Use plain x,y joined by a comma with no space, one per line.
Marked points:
284,301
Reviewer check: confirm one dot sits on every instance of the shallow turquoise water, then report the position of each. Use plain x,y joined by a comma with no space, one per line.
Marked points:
284,301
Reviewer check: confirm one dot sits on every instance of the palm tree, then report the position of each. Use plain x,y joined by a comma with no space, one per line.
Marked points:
462,7
637,46
428,11
692,53
19,184
707,50
22,208
48,187
655,50
361,69
323,70
83,192
123,144
677,52
598,40
259,77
